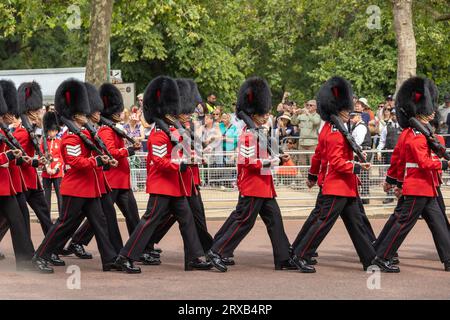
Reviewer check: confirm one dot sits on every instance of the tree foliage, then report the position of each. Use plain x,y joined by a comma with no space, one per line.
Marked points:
295,44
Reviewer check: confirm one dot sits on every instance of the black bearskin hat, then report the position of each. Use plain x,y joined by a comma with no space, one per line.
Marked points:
334,96
254,97
50,121
413,98
30,97
161,97
71,97
184,87
434,92
3,106
10,96
112,100
195,95
95,102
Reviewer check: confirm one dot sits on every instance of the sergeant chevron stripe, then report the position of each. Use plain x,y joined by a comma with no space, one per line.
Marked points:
159,151
74,151
247,152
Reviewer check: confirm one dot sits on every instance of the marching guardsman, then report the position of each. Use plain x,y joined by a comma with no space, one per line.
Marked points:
255,183
85,233
165,165
418,175
9,208
52,172
18,181
108,102
189,97
340,186
80,185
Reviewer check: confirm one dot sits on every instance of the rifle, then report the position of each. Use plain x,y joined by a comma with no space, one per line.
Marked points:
10,145
73,128
97,139
34,141
11,138
120,132
337,122
433,142
251,125
165,128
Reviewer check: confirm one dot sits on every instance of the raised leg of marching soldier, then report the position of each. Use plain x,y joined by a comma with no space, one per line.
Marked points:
332,207
73,211
22,202
411,209
441,203
198,211
158,208
36,200
85,232
121,198
23,247
240,224
366,223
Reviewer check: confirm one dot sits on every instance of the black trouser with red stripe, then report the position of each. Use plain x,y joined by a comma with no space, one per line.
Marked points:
389,223
350,212
74,210
85,232
412,208
198,210
47,184
240,224
9,210
22,202
125,200
441,203
37,202
159,207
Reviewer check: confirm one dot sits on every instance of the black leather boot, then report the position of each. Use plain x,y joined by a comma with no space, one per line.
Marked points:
228,261
41,265
149,260
197,264
124,264
385,265
301,265
77,250
216,261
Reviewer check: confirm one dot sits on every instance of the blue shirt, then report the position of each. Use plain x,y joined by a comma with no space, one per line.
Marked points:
230,133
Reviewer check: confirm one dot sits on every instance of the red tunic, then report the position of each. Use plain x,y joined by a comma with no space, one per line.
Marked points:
253,179
6,185
319,164
54,148
119,177
163,172
81,176
340,179
422,168
29,172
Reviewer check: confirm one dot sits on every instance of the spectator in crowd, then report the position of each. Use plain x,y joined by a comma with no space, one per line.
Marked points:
359,107
217,114
212,148
308,121
291,146
230,137
444,110
361,133
388,139
384,119
140,100
133,127
283,127
210,104
389,102
286,173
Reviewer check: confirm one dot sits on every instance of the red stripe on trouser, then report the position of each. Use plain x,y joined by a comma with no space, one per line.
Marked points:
56,229
238,227
143,227
320,228
398,232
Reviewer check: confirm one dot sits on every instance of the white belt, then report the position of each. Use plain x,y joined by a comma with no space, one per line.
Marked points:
411,165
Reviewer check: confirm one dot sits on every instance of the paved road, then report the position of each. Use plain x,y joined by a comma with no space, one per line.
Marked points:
339,275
